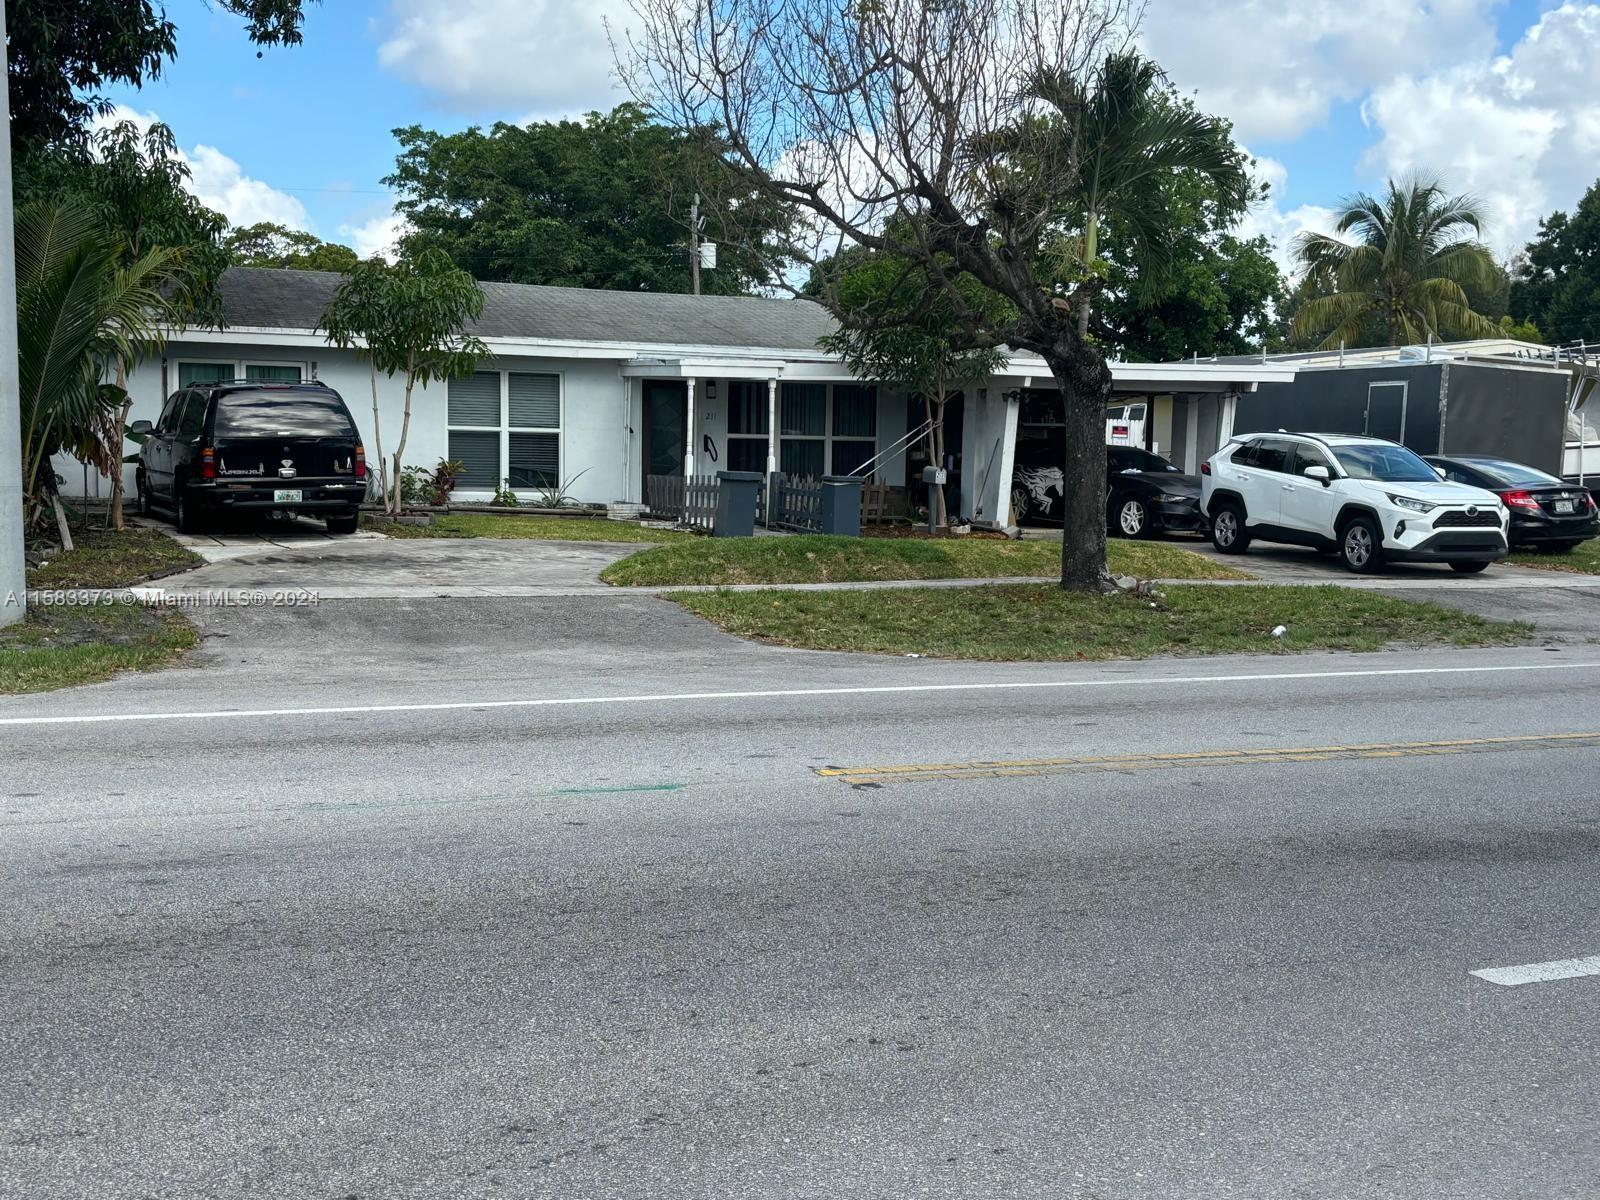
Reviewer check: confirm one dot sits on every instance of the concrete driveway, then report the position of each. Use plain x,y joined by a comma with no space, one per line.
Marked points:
300,555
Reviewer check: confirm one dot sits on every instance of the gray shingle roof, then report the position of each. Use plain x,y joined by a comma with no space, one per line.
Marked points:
274,299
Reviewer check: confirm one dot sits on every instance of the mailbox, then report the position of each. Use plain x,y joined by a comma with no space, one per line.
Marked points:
934,475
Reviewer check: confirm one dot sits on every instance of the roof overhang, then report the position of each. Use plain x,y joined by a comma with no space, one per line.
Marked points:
1162,378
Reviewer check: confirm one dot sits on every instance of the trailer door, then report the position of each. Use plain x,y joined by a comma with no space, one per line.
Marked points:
1386,410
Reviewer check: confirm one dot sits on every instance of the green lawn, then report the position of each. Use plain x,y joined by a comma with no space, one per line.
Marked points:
1584,559
1027,622
560,529
813,558
104,558
58,646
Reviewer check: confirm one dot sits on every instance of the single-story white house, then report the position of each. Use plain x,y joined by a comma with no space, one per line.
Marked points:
598,390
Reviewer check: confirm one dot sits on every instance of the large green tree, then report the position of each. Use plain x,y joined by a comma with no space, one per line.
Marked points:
266,244
1215,292
1555,282
603,203
61,54
1403,260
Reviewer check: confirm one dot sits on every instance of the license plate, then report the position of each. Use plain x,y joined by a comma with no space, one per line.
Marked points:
1565,506
286,496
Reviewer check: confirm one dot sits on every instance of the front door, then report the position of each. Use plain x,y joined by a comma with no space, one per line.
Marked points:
666,418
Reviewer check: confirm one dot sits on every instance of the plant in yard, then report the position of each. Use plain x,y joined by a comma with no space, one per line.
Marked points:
82,311
556,494
504,497
416,486
409,319
921,130
1402,260
442,480
137,185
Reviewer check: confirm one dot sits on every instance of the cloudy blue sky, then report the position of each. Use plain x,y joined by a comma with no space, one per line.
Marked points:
1496,96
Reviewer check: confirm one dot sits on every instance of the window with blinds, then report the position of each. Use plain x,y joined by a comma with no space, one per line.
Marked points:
272,372
505,429
203,372
474,399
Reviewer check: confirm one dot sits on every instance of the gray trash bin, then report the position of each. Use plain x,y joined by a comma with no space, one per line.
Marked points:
736,504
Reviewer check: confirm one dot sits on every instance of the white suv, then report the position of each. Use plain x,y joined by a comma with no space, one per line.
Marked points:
1368,499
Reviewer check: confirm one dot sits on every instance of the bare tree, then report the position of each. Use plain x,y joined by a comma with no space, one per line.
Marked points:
876,115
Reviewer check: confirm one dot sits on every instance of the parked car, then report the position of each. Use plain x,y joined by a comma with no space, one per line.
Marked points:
1367,499
1145,493
252,447
1545,512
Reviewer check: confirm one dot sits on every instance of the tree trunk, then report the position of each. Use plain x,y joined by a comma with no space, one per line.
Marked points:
405,429
941,518
1085,384
118,440
377,440
63,527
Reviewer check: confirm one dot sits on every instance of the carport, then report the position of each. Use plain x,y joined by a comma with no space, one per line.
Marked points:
1189,412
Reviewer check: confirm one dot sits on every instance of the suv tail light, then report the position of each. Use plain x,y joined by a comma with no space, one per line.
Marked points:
208,462
361,461
1589,496
1205,467
1522,500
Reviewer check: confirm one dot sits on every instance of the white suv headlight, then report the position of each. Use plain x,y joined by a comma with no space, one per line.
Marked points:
1406,502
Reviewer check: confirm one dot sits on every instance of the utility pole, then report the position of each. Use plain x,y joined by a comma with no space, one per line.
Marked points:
13,570
694,242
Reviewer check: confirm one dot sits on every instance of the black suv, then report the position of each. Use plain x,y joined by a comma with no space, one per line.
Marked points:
253,447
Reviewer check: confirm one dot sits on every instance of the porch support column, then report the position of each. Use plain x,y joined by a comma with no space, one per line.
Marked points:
688,431
772,445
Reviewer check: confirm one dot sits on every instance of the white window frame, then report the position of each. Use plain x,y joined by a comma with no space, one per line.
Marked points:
505,429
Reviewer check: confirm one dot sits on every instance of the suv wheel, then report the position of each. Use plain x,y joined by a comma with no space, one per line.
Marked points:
1361,546
347,523
141,494
184,516
1133,518
1228,532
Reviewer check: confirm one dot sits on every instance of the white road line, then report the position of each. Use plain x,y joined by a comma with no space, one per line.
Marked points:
778,694
1543,972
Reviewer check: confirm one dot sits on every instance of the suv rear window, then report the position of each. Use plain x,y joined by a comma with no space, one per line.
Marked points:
279,414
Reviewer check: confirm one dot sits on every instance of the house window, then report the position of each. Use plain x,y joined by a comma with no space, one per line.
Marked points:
747,426
803,429
272,372
505,426
855,427
204,372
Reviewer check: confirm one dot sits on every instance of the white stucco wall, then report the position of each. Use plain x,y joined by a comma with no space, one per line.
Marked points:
594,426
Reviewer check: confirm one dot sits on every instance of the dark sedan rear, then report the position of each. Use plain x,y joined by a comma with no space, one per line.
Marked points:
1545,512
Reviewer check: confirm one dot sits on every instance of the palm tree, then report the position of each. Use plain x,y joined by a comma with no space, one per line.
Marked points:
80,315
1129,136
1400,260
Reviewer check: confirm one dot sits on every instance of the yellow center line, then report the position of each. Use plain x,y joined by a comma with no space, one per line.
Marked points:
1228,757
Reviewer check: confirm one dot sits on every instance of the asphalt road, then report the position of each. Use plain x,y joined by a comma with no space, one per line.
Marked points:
573,900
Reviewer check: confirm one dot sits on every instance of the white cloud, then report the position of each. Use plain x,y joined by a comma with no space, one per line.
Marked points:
221,184
1275,68
377,236
1520,131
1278,226
546,57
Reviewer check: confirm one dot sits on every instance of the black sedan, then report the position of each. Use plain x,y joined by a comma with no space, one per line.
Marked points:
1545,512
1145,494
